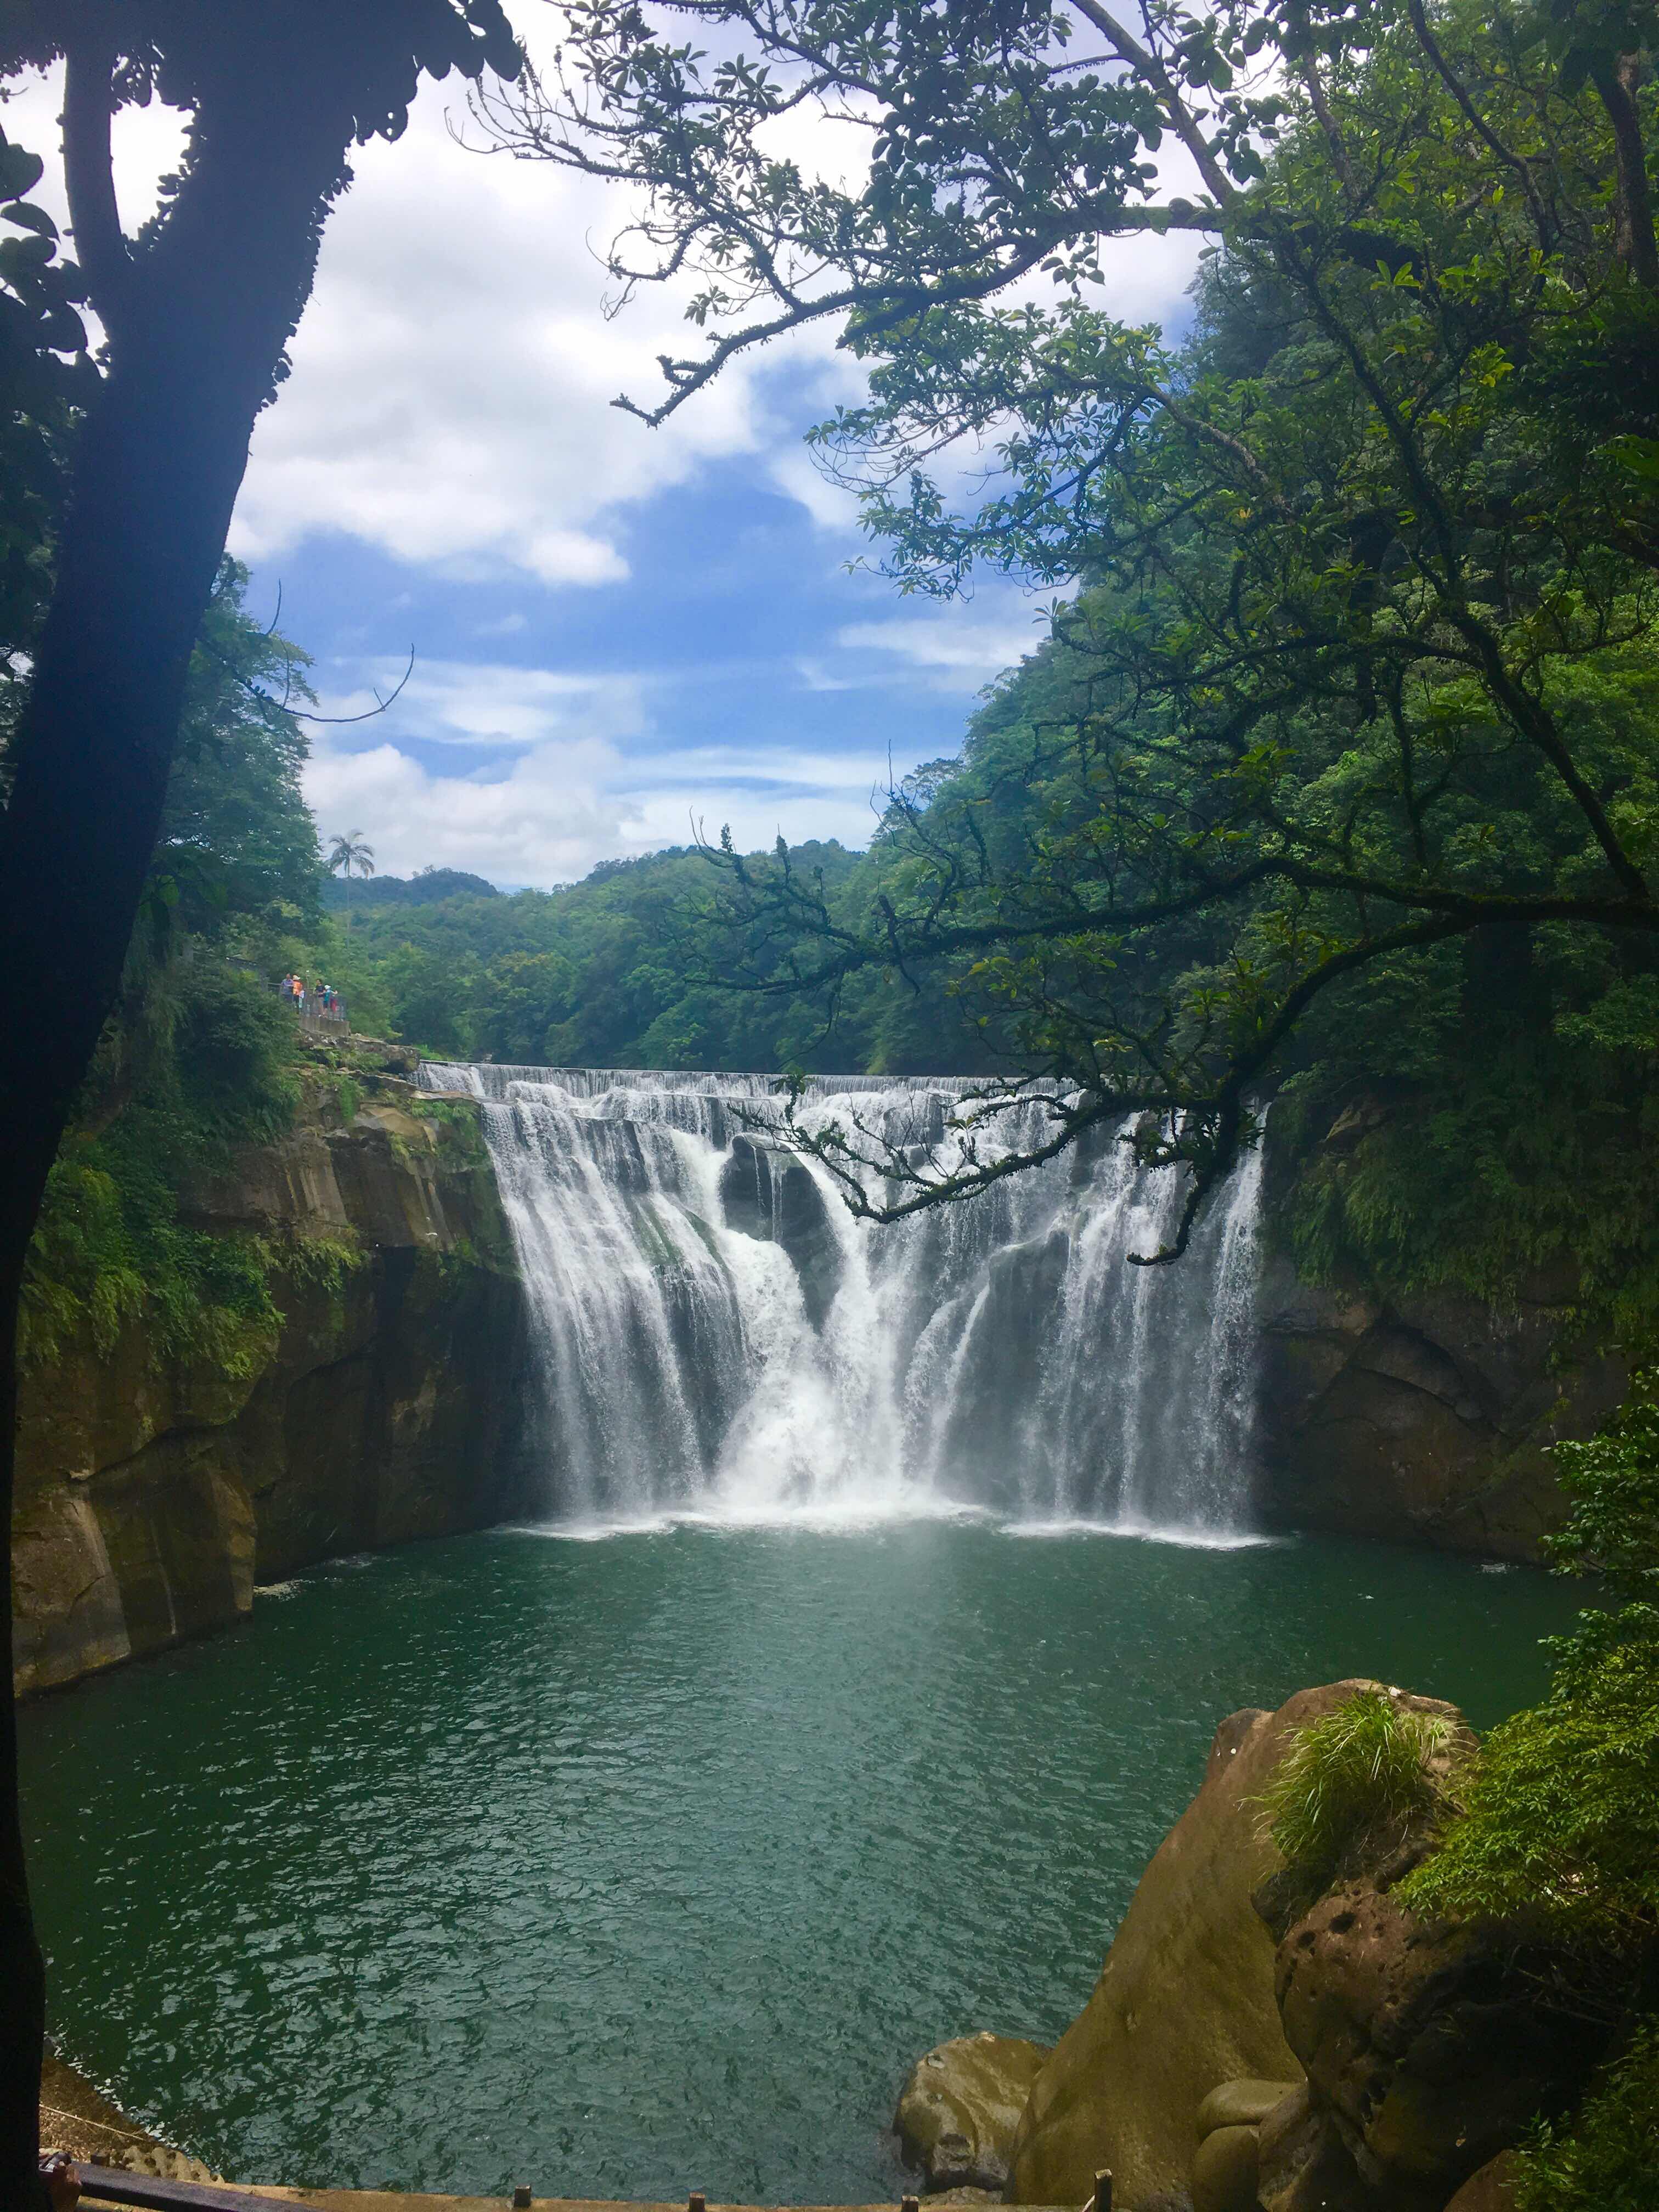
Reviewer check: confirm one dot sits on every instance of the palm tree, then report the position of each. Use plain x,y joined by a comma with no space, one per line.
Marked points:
348,855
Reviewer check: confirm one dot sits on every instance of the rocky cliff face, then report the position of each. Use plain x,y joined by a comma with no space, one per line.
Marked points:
152,1500
1424,1419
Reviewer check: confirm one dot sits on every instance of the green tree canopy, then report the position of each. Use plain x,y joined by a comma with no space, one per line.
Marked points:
1361,665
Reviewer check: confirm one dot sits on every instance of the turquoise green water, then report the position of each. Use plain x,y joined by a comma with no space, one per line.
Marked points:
632,1867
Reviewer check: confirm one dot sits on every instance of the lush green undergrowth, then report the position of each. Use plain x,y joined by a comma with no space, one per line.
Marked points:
1551,1829
1605,2159
1559,1818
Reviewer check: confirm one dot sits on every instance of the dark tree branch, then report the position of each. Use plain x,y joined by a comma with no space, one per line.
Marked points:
101,247
1617,82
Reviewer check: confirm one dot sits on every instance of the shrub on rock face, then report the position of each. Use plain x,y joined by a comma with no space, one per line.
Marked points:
1561,1817
1360,1795
1477,1980
1608,2160
1561,1824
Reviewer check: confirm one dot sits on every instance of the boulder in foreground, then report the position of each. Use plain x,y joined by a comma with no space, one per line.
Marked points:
960,2110
1186,2000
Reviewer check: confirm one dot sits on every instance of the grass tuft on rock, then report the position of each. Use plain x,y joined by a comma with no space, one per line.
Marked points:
1363,1768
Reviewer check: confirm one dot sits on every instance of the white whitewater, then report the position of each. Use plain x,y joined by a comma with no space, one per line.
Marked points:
716,1337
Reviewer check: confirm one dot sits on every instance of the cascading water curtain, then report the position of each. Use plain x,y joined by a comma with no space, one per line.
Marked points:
715,1335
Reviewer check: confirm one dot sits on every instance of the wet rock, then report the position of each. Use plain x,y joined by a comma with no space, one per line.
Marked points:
81,2122
1186,2000
959,2110
153,1495
1426,1418
1302,2165
773,1195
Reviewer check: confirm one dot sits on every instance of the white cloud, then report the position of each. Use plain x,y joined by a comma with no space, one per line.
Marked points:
546,821
831,506
146,144
449,403
491,705
758,791
567,802
959,647
452,376
449,400
756,819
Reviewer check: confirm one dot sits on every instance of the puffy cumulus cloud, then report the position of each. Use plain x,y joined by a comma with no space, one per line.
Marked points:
546,820
846,815
531,775
565,803
512,772
451,379
449,398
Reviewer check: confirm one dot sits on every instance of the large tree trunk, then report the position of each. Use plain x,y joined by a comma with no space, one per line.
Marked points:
197,326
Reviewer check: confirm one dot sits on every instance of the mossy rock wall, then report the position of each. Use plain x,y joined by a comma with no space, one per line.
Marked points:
153,1500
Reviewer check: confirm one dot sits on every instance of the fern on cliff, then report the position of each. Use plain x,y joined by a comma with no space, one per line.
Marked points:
110,1247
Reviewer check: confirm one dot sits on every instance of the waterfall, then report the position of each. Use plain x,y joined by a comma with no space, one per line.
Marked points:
715,1335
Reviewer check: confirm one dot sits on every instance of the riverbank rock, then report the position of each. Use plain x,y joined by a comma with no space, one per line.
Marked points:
1424,1419
1428,2049
1227,2164
1185,2003
960,2110
1224,2172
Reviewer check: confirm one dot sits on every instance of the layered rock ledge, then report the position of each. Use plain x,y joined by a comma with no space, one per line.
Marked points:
153,1498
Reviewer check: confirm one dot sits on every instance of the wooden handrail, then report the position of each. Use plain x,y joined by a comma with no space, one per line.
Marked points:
116,2184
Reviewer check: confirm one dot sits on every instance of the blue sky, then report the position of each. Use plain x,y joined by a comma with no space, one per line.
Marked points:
616,630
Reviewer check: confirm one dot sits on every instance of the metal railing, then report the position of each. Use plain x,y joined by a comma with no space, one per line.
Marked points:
311,1016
